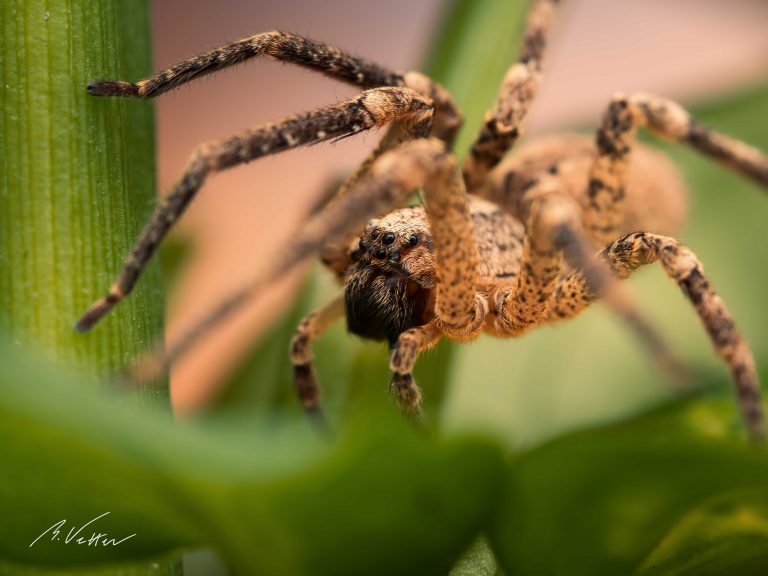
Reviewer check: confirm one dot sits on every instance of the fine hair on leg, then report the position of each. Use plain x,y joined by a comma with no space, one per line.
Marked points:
626,255
279,45
503,125
604,213
373,108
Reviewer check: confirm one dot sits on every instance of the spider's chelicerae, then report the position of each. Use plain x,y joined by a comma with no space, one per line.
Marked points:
501,246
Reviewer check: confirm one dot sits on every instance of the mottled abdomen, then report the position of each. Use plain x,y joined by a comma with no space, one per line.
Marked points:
499,238
655,194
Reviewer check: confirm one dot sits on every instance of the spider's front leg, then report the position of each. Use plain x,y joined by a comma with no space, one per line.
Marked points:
520,306
403,358
457,310
310,328
372,108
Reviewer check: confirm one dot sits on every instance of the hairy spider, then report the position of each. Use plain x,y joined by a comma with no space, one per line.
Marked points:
501,246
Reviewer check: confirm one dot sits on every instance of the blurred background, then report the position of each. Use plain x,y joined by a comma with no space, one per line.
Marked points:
590,369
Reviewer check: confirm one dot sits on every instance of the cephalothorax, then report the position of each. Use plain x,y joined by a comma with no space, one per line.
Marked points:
501,246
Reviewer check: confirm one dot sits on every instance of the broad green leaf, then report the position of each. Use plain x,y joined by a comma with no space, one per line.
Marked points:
76,180
639,496
269,498
77,184
726,535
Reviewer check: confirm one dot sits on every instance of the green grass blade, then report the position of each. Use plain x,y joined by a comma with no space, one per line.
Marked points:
76,185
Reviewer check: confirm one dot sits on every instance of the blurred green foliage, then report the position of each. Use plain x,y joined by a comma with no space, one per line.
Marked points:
270,496
672,491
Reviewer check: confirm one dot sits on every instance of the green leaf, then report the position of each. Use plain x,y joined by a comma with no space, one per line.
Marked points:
638,496
271,498
77,184
76,180
726,535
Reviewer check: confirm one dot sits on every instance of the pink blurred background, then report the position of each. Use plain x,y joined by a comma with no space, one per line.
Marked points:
683,49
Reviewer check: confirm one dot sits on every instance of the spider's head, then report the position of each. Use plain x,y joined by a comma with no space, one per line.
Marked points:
388,288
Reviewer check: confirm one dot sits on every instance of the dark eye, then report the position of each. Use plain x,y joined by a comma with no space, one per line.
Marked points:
362,245
380,253
388,238
413,239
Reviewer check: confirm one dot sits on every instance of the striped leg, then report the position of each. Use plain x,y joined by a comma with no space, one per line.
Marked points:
553,233
292,49
629,253
405,351
503,125
524,304
310,328
605,211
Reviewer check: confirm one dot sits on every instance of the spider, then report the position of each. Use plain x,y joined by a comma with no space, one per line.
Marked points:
501,245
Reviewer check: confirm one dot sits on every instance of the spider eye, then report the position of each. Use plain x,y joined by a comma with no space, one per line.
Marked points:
388,239
380,253
362,245
413,239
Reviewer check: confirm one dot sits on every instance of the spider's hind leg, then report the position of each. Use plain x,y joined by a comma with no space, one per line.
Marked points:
604,211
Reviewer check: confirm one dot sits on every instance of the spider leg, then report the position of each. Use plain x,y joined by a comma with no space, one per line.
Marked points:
604,212
402,360
336,255
392,178
459,310
577,290
626,255
522,305
279,45
297,50
372,108
502,126
312,326
553,232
